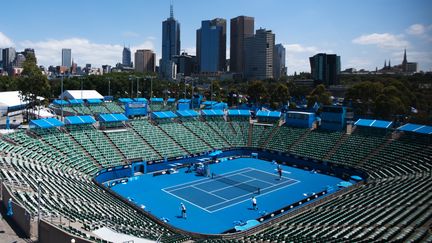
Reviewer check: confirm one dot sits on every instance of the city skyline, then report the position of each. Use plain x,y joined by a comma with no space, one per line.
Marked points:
304,28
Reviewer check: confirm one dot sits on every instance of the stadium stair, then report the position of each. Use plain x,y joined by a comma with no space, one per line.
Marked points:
270,137
108,138
196,135
335,147
250,131
218,132
144,140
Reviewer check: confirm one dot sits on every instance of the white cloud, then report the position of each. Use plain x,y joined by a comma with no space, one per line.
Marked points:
297,48
357,63
297,56
384,40
130,34
190,50
5,41
416,29
48,52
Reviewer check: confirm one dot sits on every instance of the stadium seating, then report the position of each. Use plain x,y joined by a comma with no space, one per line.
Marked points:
184,137
201,130
133,147
62,193
393,205
157,139
113,107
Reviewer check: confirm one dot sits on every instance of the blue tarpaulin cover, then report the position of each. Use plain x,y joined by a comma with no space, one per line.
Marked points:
416,128
373,123
112,117
212,112
46,123
79,120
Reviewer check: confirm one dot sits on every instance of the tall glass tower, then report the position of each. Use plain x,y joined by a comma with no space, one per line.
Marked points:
170,44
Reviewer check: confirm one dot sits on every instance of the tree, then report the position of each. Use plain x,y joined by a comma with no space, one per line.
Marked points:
279,96
32,83
257,92
320,95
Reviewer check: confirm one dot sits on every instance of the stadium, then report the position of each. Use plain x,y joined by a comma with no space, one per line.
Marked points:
117,171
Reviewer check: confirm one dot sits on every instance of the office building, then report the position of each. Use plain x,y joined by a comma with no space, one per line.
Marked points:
186,64
279,67
242,27
126,57
145,61
259,55
170,44
1,58
8,57
211,45
66,58
325,68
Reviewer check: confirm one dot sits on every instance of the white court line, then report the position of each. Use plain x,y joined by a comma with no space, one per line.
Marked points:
210,193
234,185
201,181
249,199
182,199
271,174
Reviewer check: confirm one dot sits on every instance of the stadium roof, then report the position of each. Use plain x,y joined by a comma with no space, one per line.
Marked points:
238,112
61,102
163,114
184,101
94,101
187,113
209,102
301,112
156,99
84,94
171,100
76,101
112,117
269,114
373,123
125,100
11,99
212,112
46,123
79,120
409,127
141,100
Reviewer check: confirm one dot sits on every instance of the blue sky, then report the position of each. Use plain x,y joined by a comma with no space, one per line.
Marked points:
363,33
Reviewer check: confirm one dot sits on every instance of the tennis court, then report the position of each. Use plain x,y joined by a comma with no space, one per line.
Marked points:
226,190
217,204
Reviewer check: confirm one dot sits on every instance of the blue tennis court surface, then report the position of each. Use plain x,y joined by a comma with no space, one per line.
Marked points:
213,205
213,195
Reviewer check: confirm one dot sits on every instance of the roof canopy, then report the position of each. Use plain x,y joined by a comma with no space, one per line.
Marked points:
60,102
79,120
187,113
11,99
269,114
373,123
94,101
76,101
163,114
46,123
125,100
115,117
140,100
212,112
209,102
156,100
171,100
81,94
184,101
422,129
238,112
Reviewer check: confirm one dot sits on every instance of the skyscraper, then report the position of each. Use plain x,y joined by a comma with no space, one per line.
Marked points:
126,57
279,68
8,58
170,44
259,55
242,27
145,61
66,57
211,45
325,68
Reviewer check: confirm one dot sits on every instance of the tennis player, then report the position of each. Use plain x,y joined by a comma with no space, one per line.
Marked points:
279,170
183,210
254,203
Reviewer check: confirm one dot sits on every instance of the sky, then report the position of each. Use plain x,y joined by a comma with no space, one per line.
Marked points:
364,33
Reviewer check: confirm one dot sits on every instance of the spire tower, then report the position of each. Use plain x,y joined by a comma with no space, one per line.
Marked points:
171,10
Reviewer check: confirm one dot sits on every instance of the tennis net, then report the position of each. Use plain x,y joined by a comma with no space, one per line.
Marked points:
234,183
